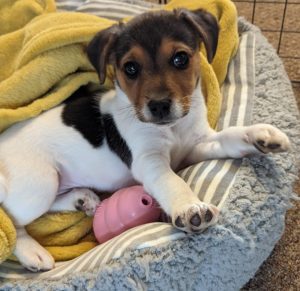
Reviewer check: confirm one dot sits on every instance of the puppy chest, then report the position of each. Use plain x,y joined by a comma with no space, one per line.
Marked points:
179,150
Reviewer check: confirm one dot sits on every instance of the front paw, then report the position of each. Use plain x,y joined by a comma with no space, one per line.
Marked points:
195,217
32,255
267,138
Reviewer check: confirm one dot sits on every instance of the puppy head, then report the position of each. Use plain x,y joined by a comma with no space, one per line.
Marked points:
156,60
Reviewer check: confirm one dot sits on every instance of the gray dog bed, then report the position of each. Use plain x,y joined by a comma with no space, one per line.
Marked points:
255,194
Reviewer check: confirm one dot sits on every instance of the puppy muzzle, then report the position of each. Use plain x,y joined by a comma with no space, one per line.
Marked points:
162,112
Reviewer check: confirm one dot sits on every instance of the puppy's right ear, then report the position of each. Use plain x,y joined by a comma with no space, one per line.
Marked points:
100,48
206,26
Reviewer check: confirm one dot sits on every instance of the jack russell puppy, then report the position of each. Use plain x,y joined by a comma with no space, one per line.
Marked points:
151,125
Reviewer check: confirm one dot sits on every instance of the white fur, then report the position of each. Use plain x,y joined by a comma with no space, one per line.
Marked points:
43,157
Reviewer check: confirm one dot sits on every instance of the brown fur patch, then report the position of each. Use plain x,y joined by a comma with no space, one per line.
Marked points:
158,79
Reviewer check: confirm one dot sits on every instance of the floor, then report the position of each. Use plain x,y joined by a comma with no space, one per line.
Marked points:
281,271
269,17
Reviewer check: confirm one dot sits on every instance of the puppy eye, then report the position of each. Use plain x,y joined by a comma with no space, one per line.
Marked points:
131,69
180,60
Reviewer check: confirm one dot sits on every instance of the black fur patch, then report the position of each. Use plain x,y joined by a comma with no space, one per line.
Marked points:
150,29
83,114
115,141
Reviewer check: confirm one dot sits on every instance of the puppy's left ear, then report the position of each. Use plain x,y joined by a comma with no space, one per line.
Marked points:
205,25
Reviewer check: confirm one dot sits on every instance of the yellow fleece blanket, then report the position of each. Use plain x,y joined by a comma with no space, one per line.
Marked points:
43,61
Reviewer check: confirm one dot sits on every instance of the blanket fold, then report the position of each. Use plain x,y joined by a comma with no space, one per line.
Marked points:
43,62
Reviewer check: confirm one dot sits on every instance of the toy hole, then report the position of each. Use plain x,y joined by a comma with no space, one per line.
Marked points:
145,201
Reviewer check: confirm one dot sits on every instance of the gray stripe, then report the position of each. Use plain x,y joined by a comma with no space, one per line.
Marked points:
210,177
230,83
238,90
224,184
158,234
108,15
140,3
118,4
127,11
224,92
101,252
73,263
8,272
123,237
66,7
198,174
85,266
250,78
188,173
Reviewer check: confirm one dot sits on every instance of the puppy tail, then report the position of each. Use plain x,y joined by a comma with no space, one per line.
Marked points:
3,189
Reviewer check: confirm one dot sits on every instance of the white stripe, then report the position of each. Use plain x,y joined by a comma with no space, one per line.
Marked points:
123,237
66,265
69,3
211,190
129,242
161,240
137,4
82,260
107,15
244,81
199,183
118,10
120,6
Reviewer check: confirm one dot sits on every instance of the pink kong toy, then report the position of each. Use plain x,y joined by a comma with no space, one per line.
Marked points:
127,208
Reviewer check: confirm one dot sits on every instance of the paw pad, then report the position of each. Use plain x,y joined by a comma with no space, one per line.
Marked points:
195,217
196,220
208,216
178,222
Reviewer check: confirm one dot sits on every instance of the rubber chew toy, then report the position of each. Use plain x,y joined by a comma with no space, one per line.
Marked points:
126,208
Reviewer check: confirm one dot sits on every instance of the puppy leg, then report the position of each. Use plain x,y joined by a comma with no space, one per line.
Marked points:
31,190
81,199
237,142
31,254
173,194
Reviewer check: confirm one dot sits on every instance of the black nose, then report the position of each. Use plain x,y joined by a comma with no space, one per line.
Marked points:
160,109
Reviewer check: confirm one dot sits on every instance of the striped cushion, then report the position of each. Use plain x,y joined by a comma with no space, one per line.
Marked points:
112,9
211,180
70,5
